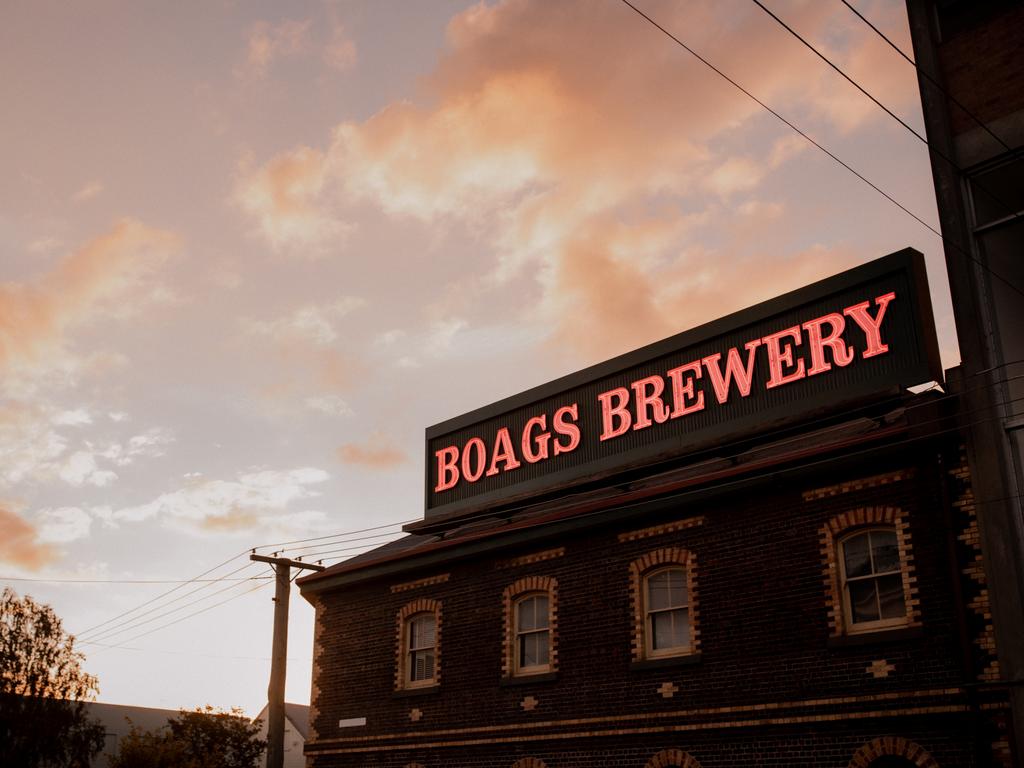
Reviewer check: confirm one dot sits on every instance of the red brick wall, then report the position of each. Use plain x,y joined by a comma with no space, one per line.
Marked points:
768,688
984,70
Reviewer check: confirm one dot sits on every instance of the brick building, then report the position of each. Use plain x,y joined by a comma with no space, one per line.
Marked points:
766,558
971,74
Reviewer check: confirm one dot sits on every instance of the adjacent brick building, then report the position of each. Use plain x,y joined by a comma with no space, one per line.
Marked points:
808,592
971,74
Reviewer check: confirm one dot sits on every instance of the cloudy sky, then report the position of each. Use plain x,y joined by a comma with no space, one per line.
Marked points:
249,251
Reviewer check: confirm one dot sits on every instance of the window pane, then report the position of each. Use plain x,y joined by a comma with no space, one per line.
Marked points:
670,629
421,665
885,552
658,597
681,628
856,557
421,632
540,618
890,597
863,604
524,614
661,630
677,587
542,647
532,613
666,589
527,650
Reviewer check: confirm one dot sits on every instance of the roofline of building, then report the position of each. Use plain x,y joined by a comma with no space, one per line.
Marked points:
574,514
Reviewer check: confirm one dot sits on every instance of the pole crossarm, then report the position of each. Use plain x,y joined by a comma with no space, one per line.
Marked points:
286,561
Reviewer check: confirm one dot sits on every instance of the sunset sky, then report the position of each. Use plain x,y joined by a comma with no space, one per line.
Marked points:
249,251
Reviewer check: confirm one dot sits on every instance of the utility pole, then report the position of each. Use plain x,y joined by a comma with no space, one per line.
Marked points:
278,658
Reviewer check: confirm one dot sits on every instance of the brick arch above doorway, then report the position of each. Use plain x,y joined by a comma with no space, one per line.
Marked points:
672,758
894,746
529,762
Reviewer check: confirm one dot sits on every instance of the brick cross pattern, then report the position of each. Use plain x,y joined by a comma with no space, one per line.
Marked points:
529,703
668,690
415,714
880,668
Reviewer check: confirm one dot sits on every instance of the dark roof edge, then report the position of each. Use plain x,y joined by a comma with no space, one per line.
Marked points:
574,516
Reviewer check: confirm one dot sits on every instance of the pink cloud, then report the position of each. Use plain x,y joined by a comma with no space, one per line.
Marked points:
376,453
19,542
104,274
553,144
268,42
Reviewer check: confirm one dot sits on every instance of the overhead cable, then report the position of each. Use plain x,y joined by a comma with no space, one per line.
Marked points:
814,143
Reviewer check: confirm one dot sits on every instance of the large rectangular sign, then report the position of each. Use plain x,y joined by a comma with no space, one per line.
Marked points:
857,335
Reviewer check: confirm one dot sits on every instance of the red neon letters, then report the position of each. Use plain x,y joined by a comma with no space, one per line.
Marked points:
533,448
791,354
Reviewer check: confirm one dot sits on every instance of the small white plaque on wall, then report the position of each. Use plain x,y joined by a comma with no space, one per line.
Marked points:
352,722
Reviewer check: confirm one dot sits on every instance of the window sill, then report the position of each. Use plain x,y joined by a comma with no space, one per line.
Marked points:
546,677
892,635
687,660
420,691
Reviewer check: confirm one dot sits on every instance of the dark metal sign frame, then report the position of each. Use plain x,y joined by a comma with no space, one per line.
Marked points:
911,358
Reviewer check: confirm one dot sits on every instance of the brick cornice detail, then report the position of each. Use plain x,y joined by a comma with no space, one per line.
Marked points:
534,557
671,758
425,582
892,745
663,528
858,485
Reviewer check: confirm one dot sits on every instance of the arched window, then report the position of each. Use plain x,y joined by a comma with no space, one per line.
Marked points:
531,627
421,647
663,595
533,634
666,612
872,579
868,570
418,652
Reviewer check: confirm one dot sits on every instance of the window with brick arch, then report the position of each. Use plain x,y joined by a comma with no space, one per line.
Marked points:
872,579
420,648
666,612
532,634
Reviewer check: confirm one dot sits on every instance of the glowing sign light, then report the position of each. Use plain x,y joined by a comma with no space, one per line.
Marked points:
849,337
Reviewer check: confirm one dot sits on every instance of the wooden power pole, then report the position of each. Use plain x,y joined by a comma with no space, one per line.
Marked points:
279,655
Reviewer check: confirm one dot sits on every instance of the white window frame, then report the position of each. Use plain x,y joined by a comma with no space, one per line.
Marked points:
535,669
650,651
854,628
409,653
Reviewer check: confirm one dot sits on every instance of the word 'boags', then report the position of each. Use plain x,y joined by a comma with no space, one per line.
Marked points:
659,398
535,445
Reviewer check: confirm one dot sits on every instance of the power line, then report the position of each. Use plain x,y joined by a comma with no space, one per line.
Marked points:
337,541
672,496
183,618
192,654
643,502
1013,212
133,619
677,495
361,548
932,80
811,141
162,595
333,535
126,581
130,624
